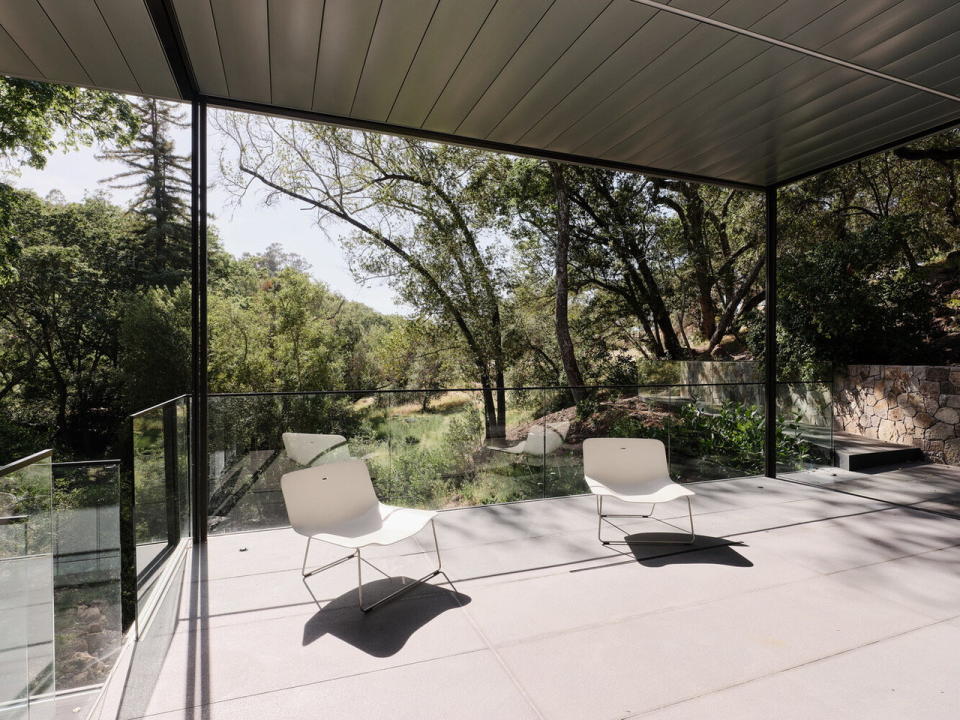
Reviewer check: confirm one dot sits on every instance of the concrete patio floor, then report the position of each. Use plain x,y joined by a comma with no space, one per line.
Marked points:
796,602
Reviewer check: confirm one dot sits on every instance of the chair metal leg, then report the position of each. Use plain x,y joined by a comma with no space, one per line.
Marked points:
306,573
602,517
405,588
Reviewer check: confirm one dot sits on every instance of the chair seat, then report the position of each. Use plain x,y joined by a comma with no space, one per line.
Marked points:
645,492
513,449
383,525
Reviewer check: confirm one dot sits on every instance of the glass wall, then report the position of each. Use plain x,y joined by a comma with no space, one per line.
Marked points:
432,449
27,657
160,498
87,571
464,320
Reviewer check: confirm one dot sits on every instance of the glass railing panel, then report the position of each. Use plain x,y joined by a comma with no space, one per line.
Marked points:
437,448
87,571
453,447
716,431
160,496
254,439
27,656
804,425
150,488
588,412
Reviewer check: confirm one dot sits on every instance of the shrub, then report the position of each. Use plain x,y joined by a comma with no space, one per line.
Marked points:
734,435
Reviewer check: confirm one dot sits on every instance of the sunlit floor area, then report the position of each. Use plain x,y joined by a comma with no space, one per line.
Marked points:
795,602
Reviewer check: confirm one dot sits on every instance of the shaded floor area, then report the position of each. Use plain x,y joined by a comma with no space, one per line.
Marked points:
922,485
796,602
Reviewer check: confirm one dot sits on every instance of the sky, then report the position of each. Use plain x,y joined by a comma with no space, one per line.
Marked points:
247,228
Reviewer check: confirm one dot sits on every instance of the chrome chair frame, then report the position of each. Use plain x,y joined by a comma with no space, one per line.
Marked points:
602,518
360,560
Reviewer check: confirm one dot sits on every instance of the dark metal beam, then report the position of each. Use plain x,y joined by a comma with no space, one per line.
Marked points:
198,404
369,125
171,40
770,339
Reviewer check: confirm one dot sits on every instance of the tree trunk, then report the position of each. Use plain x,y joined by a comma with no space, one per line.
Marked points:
561,318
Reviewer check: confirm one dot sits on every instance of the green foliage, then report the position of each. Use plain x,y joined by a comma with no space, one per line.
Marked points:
733,435
32,113
849,302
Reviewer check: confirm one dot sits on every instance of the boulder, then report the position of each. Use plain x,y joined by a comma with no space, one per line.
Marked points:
940,431
948,415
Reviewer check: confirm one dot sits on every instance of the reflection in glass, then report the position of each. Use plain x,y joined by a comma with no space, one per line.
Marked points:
27,660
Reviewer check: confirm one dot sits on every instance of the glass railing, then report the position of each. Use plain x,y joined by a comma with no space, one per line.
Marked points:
159,492
805,415
27,658
454,447
87,571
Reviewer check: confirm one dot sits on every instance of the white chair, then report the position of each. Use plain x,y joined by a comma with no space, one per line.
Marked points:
336,503
309,449
633,470
541,441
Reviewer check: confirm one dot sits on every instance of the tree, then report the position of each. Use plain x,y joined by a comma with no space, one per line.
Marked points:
418,212
31,116
63,308
162,179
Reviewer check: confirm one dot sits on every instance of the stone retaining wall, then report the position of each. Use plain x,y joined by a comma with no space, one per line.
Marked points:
907,404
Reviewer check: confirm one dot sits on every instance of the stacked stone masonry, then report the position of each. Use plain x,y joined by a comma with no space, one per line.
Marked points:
906,404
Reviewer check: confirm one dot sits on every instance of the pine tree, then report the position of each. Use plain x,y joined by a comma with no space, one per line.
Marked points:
162,178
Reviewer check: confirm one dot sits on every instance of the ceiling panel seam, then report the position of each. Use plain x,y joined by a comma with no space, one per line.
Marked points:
316,61
464,141
119,49
574,88
503,67
216,34
707,149
412,59
867,153
366,54
269,57
619,87
797,48
459,62
633,108
727,99
22,52
544,73
64,40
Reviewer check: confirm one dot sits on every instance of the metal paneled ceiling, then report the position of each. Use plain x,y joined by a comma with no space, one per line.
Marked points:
735,91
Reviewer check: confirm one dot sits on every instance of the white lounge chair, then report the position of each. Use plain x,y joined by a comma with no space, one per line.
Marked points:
541,440
309,449
633,470
336,503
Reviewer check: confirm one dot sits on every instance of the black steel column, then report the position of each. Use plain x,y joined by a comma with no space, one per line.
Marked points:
198,404
770,343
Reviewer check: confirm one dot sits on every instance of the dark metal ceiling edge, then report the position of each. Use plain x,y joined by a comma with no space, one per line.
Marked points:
167,27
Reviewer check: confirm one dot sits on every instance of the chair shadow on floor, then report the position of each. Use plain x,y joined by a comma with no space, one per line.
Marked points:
382,632
705,550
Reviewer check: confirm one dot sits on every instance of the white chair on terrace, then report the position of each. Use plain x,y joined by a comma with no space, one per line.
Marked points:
633,470
308,449
336,503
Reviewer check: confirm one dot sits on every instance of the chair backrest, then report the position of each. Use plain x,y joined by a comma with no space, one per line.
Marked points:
327,497
314,448
544,439
625,461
